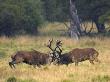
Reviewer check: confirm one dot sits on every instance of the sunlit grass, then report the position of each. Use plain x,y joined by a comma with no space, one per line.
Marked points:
85,72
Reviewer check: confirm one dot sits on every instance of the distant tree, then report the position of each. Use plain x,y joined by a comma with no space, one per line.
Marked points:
56,10
75,28
20,16
88,10
95,10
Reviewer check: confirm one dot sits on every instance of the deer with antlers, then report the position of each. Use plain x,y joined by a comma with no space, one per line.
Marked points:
35,57
32,57
75,56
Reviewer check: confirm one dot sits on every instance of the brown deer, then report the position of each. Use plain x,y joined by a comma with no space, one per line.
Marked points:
78,55
32,57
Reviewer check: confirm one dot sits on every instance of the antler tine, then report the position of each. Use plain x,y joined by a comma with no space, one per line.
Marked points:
50,43
58,44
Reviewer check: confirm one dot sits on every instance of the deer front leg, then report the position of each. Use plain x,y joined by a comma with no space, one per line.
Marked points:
91,59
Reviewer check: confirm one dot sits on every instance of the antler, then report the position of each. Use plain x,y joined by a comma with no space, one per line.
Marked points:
50,44
55,53
58,45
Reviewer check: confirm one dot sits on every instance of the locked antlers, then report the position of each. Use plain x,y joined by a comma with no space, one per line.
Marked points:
56,52
58,45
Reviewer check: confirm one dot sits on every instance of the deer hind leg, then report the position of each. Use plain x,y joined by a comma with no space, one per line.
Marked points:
11,64
76,63
19,60
74,60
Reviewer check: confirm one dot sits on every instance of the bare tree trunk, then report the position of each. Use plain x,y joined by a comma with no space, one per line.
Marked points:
75,29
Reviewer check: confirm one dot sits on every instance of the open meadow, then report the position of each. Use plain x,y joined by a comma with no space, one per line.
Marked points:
84,72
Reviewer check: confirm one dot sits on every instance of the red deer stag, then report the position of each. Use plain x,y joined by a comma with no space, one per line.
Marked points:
78,55
31,57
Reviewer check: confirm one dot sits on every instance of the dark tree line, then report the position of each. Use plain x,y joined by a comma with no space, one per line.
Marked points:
20,16
94,10
97,11
24,16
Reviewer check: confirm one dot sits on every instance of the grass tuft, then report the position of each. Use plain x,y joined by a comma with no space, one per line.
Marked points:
99,78
71,75
14,79
27,80
67,80
11,79
90,43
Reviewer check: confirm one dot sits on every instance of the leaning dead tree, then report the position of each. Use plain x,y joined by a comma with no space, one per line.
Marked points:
85,25
75,28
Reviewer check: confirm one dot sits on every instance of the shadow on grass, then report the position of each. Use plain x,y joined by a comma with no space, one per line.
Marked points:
14,79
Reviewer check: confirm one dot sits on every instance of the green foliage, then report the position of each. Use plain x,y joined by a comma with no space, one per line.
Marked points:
67,80
11,79
105,78
46,68
20,16
89,9
94,10
30,80
24,16
56,10
71,75
105,17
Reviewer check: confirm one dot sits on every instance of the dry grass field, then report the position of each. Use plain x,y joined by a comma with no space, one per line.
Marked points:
85,72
